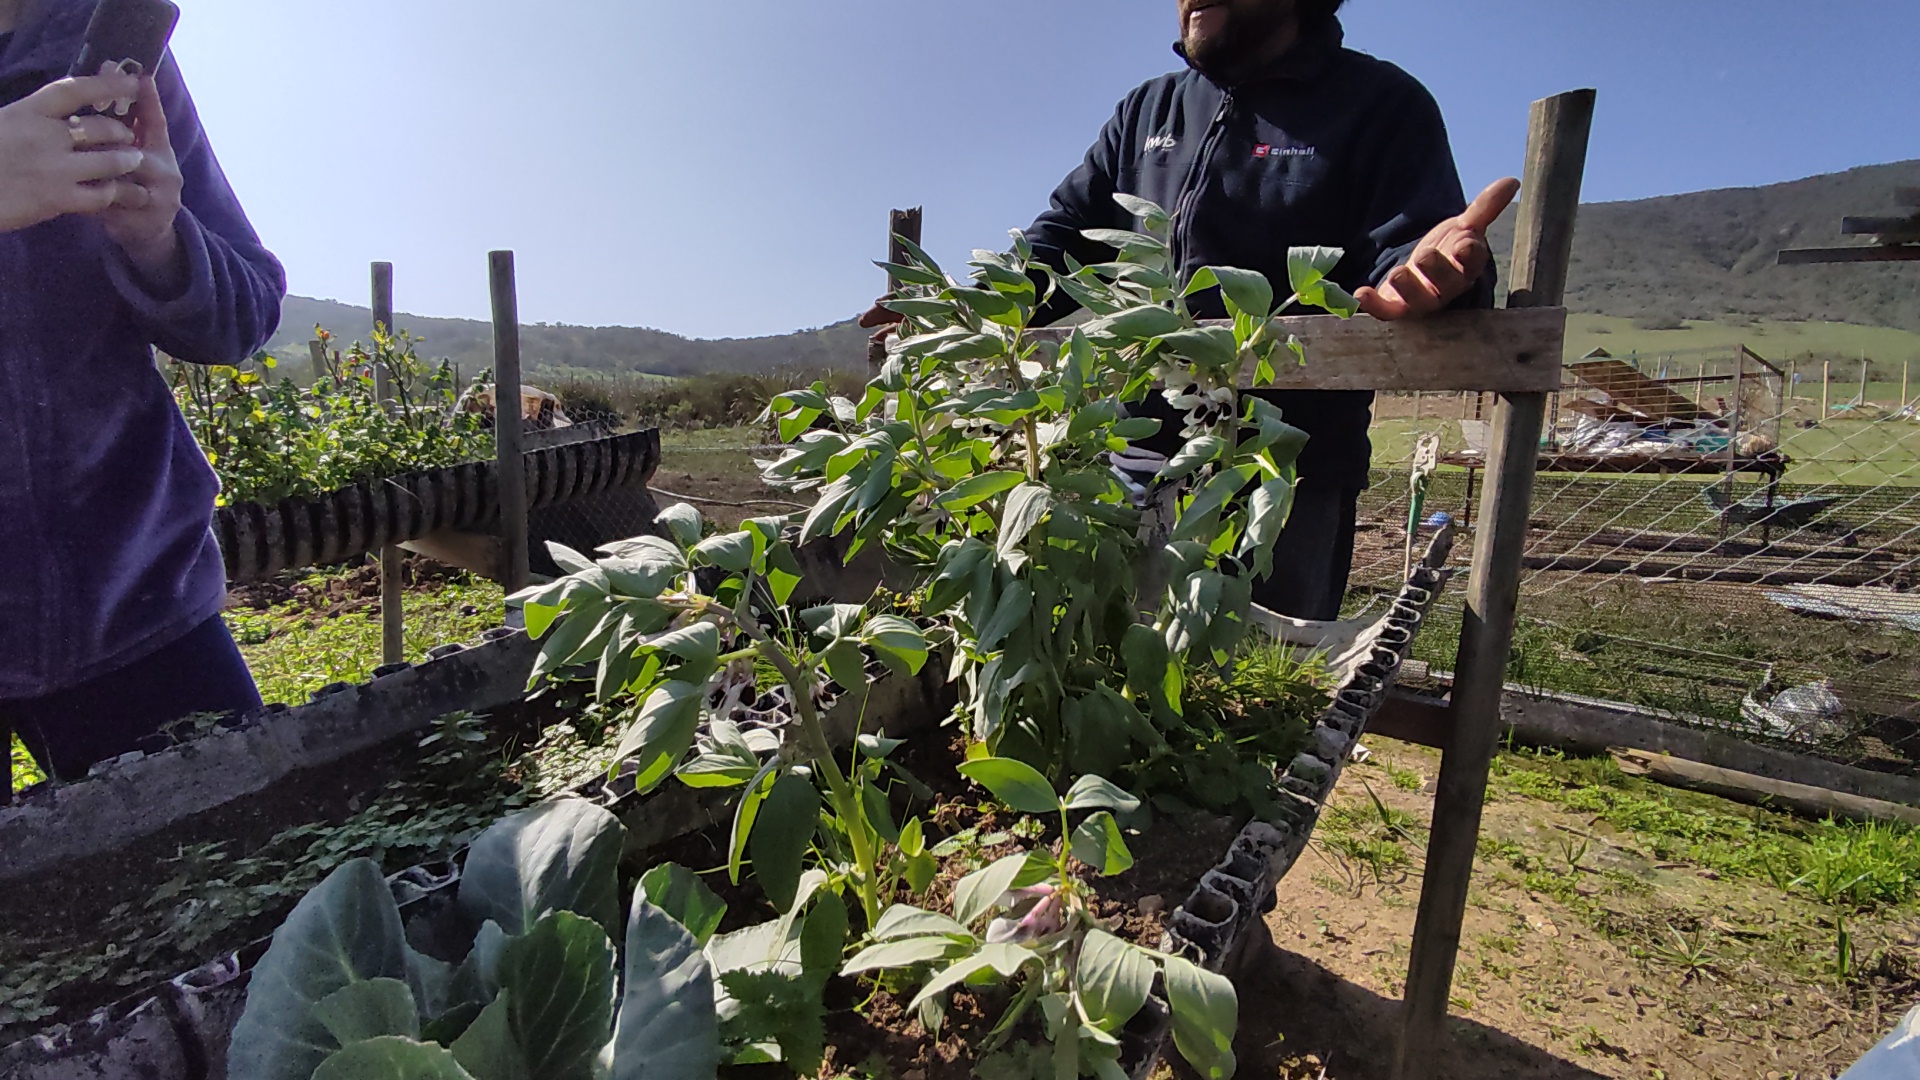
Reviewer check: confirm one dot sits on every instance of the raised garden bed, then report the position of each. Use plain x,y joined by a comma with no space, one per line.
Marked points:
1088,605
260,541
1199,883
191,772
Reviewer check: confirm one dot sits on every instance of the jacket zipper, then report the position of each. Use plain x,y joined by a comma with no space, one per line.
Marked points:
1196,178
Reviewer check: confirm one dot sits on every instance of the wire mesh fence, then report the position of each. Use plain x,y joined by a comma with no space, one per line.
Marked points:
1715,538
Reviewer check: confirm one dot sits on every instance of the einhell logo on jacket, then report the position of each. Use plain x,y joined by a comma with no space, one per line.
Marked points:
1269,150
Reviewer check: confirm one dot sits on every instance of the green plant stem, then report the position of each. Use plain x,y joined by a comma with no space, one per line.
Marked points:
1066,849
846,801
1031,426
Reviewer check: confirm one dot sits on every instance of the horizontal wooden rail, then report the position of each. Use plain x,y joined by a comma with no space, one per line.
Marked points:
1508,352
1588,726
1890,253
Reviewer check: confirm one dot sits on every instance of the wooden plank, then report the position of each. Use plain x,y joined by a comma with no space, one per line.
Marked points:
1630,390
393,636
1870,570
1662,464
1874,226
1543,250
1893,253
1759,791
508,428
1494,351
1591,727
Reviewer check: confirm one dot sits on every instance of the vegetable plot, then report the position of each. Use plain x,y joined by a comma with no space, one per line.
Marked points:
980,461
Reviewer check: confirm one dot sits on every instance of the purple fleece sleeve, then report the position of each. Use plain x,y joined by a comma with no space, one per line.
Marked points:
231,305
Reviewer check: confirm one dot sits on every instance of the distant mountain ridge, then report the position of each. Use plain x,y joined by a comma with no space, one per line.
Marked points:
1711,254
1707,255
607,349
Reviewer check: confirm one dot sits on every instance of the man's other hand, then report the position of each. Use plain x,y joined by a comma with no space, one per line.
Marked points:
1445,264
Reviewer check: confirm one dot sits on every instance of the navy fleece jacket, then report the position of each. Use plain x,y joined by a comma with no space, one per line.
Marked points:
1328,147
105,501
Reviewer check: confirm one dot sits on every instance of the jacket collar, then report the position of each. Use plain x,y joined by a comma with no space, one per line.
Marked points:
1309,58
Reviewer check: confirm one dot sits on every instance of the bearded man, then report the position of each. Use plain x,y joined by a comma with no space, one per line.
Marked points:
1276,136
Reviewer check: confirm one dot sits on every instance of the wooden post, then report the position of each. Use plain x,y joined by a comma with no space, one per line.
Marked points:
393,560
508,429
900,224
1863,381
1793,384
1543,250
1826,390
1733,433
317,353
1906,381
907,224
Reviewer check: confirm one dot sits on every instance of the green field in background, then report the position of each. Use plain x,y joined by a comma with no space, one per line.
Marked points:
1780,342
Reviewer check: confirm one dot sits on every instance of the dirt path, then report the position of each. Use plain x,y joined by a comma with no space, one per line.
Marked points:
1586,952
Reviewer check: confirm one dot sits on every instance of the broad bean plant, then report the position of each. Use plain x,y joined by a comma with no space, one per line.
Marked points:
982,456
679,656
982,459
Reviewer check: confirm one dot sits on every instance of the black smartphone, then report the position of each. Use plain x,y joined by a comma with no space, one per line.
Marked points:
130,33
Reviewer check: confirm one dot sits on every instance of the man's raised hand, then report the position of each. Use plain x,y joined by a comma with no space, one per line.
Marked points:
1446,262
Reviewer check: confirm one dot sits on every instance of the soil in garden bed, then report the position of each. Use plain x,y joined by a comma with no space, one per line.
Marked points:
341,589
94,931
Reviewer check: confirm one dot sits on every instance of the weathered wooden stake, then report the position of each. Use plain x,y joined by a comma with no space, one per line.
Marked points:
1826,390
317,353
1543,249
393,560
1733,432
900,224
1906,381
508,429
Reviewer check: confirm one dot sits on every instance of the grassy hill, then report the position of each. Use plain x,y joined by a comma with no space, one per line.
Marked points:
1710,255
1675,275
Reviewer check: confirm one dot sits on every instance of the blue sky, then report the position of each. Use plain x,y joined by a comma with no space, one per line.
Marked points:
723,170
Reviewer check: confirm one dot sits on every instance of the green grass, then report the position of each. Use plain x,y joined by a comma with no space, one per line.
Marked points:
1779,342
292,654
1867,452
1855,452
1845,865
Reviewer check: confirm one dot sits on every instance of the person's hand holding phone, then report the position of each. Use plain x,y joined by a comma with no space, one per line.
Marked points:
54,162
146,201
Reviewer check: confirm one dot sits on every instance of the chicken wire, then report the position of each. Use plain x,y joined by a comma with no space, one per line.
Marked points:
1779,605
